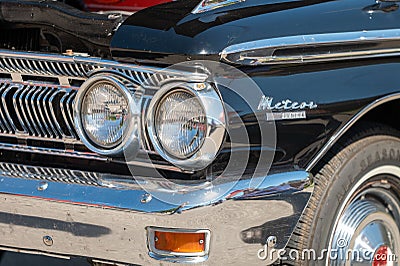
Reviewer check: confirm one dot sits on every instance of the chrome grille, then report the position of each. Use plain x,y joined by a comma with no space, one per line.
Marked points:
34,104
79,67
50,174
37,110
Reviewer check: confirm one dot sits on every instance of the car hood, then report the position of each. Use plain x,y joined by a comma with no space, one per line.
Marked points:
171,33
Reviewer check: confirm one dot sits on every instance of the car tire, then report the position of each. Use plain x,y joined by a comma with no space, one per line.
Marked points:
355,205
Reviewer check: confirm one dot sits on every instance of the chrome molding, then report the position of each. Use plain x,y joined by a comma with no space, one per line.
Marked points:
319,47
340,132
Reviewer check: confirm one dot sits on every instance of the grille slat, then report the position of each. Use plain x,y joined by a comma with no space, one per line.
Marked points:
42,111
16,107
11,69
34,126
24,117
63,108
70,109
3,126
53,114
37,121
46,112
9,122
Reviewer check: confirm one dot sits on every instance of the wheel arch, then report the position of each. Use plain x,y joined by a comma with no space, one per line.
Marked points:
375,112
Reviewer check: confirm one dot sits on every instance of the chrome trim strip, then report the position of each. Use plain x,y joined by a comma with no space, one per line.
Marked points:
340,132
263,52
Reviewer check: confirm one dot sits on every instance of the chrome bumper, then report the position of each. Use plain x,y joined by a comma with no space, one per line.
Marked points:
62,219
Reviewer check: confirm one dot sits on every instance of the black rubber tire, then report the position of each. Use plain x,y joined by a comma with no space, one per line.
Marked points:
361,151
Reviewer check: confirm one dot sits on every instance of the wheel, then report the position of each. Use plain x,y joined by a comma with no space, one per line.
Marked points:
353,216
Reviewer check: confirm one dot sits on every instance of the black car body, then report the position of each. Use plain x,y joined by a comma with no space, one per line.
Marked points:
296,77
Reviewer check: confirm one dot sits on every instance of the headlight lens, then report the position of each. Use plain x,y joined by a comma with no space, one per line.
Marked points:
104,111
180,124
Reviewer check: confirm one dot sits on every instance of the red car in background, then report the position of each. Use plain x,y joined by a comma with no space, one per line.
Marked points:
121,5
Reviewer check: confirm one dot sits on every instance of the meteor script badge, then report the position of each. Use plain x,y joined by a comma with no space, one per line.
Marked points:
286,109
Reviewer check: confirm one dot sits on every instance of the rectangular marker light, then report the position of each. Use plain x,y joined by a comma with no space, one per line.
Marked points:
178,242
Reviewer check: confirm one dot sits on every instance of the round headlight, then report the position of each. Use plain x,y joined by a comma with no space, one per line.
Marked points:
181,115
106,115
186,124
104,111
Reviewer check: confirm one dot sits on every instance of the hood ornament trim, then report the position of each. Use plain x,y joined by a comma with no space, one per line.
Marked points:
320,47
207,5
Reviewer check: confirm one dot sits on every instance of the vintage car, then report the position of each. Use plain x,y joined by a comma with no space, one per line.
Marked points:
223,132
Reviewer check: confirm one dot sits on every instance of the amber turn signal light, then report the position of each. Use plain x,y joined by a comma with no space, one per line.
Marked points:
179,242
182,242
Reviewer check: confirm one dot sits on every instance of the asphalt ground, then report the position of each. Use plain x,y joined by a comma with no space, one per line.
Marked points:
18,259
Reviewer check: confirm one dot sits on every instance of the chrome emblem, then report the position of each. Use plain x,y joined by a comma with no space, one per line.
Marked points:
288,109
267,103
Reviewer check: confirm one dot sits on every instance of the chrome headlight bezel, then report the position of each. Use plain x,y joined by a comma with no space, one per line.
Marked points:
130,136
215,118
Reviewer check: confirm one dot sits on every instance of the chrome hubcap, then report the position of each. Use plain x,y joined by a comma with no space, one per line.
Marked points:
367,232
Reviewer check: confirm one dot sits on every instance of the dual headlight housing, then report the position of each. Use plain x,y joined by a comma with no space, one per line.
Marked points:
107,116
185,122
